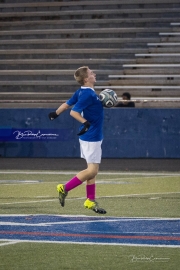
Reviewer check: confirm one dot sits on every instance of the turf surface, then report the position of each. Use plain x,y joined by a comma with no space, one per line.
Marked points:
121,194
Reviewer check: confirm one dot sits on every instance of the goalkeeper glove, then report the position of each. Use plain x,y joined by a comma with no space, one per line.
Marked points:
53,115
85,128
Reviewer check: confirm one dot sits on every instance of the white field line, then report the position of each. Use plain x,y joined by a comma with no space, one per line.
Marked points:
75,172
98,181
8,243
95,243
44,224
140,195
94,217
115,181
22,183
40,201
83,198
60,222
49,215
134,178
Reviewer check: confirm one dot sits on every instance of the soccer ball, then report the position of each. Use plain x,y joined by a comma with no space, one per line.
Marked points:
108,98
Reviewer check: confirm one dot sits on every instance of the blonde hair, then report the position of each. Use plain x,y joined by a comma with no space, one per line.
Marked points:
80,74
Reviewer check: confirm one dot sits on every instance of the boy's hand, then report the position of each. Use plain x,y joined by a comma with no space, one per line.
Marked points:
53,115
85,128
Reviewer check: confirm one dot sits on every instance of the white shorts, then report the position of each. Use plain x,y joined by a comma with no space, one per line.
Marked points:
91,151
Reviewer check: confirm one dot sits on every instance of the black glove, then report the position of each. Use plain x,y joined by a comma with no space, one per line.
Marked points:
85,128
53,115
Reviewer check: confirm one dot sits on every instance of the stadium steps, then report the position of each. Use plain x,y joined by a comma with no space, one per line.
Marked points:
106,64
46,75
87,23
149,90
41,86
64,72
107,53
175,24
80,4
153,76
130,32
53,100
158,60
150,71
104,11
89,43
170,81
40,41
31,96
175,33
167,49
157,70
157,54
76,43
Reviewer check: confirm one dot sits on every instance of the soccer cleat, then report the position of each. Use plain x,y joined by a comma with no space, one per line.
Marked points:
93,205
62,194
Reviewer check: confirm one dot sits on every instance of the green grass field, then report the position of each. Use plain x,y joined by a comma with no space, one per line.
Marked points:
121,194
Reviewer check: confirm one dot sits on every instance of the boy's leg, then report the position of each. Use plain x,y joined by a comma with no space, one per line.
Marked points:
91,151
90,203
74,182
91,189
77,180
63,189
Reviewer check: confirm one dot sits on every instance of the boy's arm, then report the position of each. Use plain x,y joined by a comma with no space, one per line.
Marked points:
63,107
78,116
81,119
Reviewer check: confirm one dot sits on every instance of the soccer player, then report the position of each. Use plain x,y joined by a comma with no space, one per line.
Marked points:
88,110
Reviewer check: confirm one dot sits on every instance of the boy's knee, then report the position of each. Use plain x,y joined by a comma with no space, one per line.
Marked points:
92,171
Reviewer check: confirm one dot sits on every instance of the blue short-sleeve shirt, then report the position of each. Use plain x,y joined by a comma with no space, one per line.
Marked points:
86,102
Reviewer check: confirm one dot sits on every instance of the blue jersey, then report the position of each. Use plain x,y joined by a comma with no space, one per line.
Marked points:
87,103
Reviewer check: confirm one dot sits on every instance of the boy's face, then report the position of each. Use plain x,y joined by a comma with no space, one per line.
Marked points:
91,77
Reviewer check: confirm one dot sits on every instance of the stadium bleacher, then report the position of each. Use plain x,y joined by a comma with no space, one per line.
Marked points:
132,45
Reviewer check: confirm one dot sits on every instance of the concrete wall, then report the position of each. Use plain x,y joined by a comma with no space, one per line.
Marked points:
128,133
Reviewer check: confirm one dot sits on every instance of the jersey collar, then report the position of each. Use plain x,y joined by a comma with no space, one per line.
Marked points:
84,87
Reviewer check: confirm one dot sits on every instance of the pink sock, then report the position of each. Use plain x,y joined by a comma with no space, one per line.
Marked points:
74,182
90,191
